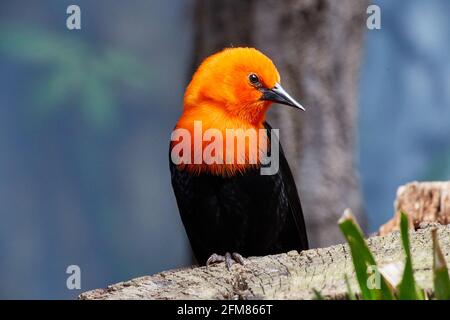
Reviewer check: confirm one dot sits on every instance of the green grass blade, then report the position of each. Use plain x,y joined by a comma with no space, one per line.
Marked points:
407,289
440,271
318,295
359,263
350,293
362,260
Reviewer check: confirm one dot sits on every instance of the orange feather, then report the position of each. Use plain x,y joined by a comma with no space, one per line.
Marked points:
221,97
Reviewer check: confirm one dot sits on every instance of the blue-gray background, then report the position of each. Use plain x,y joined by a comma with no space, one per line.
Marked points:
85,119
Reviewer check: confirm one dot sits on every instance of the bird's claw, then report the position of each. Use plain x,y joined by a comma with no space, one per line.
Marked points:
215,258
229,259
238,258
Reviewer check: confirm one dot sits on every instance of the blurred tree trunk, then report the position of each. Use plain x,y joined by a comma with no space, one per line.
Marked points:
316,45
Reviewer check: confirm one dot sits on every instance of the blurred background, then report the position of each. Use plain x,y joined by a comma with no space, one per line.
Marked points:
86,117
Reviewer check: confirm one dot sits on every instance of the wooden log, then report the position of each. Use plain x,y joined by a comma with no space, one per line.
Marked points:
286,276
424,203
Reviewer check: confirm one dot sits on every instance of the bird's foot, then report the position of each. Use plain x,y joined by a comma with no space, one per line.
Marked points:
229,259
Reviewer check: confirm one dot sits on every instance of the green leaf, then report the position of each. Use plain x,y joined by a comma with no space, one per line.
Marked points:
50,93
350,293
75,73
98,105
318,295
407,289
40,47
440,271
363,260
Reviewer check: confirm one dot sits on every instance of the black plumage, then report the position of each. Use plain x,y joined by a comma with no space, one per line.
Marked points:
249,213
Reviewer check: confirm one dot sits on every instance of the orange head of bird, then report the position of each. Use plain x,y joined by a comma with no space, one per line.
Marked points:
239,83
232,89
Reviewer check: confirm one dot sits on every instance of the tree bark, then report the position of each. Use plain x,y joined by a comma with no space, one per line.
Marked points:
424,203
316,45
284,276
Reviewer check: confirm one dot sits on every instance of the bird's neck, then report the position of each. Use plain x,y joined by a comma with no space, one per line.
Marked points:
221,143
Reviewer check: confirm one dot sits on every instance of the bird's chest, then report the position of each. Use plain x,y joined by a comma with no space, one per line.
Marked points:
246,206
222,148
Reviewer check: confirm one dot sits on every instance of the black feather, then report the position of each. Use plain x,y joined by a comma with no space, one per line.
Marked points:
249,213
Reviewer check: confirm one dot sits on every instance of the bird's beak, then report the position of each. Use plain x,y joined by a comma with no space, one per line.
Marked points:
279,95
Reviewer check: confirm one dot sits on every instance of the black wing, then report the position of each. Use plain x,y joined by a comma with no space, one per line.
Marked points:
291,192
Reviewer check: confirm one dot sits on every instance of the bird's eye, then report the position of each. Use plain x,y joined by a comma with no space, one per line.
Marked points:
253,78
